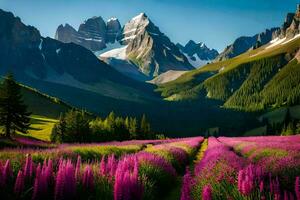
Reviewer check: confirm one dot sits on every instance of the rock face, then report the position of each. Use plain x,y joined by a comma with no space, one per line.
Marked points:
198,53
290,27
141,43
113,28
243,44
93,34
150,49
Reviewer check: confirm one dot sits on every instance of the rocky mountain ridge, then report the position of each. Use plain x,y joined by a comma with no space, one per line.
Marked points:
94,34
245,43
198,54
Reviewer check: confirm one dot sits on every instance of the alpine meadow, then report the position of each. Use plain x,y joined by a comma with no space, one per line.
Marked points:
150,100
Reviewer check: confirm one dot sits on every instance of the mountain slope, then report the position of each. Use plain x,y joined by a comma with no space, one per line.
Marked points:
150,51
34,59
167,77
243,44
43,105
198,54
262,78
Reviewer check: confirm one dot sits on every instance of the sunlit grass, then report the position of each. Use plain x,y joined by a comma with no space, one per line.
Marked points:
40,128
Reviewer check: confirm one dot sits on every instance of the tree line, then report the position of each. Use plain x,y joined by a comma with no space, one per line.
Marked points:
78,126
289,126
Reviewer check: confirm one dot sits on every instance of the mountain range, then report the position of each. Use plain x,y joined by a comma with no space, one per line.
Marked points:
198,54
139,45
94,34
245,43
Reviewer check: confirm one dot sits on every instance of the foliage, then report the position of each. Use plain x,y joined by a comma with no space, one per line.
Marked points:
73,127
13,112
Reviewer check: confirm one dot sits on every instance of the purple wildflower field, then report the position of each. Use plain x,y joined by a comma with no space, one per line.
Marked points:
55,173
246,168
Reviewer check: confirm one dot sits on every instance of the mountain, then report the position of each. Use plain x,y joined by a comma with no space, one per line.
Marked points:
244,43
198,54
260,79
148,48
45,63
94,34
290,27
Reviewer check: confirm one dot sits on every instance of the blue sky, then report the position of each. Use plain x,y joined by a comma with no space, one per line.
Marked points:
215,22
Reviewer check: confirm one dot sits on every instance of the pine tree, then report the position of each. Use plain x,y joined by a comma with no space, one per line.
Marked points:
13,112
145,127
133,128
59,130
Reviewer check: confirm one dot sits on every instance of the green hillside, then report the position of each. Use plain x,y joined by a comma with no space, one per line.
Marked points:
256,80
45,112
43,105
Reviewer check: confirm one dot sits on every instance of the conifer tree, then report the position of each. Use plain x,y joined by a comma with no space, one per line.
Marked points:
13,112
145,126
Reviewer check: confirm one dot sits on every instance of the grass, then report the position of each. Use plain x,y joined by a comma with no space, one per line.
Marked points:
40,128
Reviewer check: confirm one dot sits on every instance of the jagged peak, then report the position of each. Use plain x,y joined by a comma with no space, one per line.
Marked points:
95,18
112,19
140,16
190,42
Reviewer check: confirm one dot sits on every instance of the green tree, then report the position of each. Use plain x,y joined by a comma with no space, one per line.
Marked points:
13,112
298,128
73,127
145,127
59,130
133,128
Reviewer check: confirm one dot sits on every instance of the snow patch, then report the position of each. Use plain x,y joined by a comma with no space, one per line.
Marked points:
275,42
167,47
129,38
138,17
151,33
41,44
91,39
112,19
118,53
109,47
295,37
130,31
57,51
196,63
222,69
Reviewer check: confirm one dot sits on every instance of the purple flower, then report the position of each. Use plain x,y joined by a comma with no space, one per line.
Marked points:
297,187
207,193
6,174
77,170
65,186
28,168
88,178
20,182
261,186
186,185
103,166
127,184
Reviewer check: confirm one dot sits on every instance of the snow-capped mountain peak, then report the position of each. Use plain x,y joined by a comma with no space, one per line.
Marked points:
198,54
